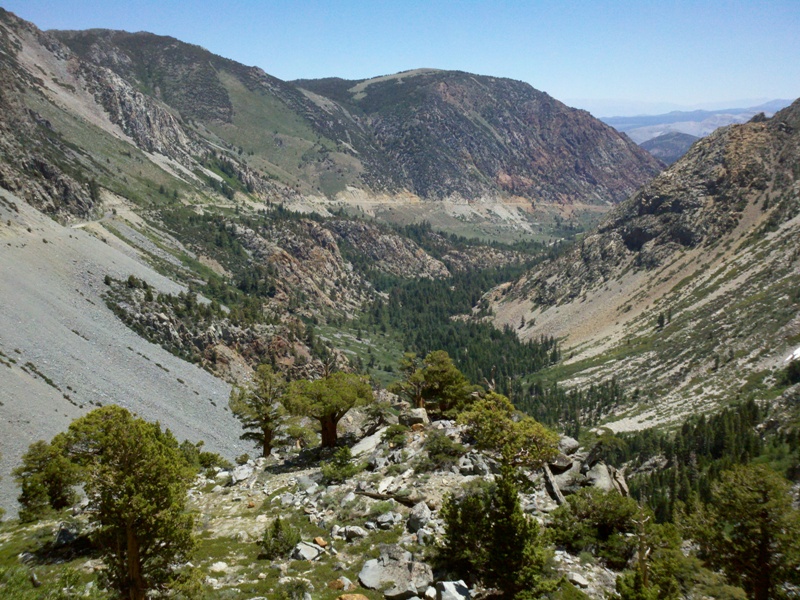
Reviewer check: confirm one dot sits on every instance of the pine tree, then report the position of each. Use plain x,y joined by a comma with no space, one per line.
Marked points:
136,482
489,539
259,408
750,530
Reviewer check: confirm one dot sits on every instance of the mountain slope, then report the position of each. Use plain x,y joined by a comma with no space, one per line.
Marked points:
457,133
669,147
688,290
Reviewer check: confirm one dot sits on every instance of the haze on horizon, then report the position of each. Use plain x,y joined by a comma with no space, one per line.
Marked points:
609,57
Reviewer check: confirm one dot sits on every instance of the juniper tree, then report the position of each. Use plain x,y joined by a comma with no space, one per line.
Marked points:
327,400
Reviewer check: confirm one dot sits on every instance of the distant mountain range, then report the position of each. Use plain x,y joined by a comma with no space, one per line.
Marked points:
698,123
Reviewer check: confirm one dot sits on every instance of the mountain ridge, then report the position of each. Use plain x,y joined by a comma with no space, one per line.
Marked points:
684,289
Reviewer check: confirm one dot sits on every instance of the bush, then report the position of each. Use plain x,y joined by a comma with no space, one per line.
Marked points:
209,460
395,435
489,539
279,540
598,521
294,589
443,453
340,467
242,459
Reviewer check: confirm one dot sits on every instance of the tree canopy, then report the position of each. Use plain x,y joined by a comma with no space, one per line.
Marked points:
497,426
750,530
489,539
327,400
136,480
47,479
434,382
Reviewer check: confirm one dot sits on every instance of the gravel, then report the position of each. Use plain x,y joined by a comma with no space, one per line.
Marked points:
52,316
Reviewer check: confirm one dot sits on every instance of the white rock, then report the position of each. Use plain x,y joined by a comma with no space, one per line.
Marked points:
577,580
452,590
368,444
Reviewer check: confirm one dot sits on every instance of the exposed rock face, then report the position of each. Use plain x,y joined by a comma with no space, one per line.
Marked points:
688,278
397,568
697,202
33,155
389,252
448,133
435,134
227,349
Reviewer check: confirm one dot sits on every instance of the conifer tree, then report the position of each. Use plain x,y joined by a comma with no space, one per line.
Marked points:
489,539
259,408
46,478
750,530
327,400
136,481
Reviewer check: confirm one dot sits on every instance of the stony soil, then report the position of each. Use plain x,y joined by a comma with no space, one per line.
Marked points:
52,316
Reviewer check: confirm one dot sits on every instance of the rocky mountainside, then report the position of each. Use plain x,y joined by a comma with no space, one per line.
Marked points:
115,201
669,147
126,110
458,133
688,290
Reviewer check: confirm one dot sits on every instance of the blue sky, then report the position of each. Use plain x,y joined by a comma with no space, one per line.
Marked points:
609,57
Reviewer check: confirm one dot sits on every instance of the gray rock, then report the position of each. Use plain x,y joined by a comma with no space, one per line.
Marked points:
419,517
577,580
599,477
241,473
368,444
568,445
306,551
480,465
287,499
414,416
353,532
424,536
348,498
377,462
465,466
388,520
452,590
553,486
561,463
396,567
618,479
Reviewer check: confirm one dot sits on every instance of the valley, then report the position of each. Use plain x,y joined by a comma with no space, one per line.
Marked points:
520,316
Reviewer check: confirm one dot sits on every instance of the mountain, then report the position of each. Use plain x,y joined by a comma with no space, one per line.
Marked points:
669,147
459,133
424,135
688,290
144,251
698,123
